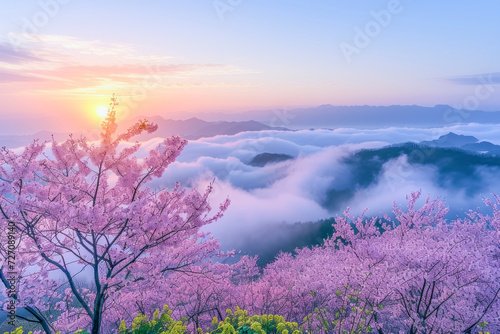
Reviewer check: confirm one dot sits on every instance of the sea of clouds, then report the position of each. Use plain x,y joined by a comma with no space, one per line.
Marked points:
295,190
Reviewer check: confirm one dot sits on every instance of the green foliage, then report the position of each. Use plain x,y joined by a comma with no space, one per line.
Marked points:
482,325
354,313
239,322
160,324
18,330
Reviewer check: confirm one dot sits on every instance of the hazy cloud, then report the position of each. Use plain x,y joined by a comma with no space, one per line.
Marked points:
8,54
477,79
9,77
99,65
297,190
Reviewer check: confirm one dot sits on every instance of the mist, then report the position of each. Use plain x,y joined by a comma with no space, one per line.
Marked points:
326,173
320,182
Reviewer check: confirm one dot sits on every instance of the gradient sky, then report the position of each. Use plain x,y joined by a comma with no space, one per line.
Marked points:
61,59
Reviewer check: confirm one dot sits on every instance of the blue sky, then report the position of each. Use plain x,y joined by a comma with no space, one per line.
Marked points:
236,55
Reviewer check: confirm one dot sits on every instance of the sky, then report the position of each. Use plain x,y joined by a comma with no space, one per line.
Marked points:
60,60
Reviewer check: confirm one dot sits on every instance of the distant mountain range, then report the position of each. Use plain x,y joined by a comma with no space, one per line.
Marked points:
325,116
468,143
195,128
328,116
191,129
23,140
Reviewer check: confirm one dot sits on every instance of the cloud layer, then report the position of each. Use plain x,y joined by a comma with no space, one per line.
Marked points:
321,180
297,190
73,64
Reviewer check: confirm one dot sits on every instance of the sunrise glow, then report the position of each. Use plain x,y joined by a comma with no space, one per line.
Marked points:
102,112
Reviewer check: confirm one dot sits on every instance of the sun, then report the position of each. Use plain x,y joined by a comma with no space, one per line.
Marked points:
102,112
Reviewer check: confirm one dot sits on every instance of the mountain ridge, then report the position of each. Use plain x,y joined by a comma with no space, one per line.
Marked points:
468,143
190,129
364,116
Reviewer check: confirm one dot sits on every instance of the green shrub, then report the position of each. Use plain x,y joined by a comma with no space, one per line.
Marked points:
241,323
18,330
237,322
160,324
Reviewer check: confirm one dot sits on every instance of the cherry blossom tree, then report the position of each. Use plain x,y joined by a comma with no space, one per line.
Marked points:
85,211
423,273
418,273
